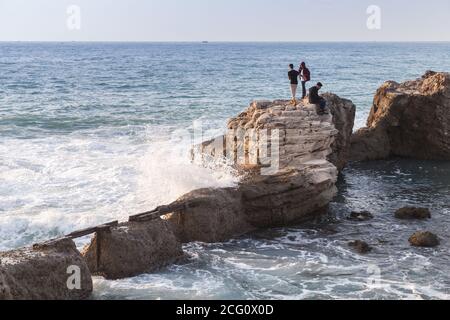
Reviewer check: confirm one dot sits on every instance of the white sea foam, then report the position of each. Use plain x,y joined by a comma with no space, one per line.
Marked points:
51,186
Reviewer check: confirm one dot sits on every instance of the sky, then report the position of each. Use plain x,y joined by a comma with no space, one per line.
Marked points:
224,20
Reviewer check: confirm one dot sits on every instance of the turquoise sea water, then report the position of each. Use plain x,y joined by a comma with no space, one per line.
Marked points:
92,132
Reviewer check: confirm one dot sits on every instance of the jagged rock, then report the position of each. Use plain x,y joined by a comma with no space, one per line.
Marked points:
360,246
409,120
44,272
132,249
360,216
413,213
424,239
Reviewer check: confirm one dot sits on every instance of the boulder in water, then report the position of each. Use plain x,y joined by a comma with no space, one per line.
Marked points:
424,239
360,216
361,247
410,213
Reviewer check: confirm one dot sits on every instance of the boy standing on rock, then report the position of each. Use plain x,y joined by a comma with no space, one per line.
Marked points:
293,78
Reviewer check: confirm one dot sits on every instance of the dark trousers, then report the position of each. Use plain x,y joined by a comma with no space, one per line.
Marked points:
303,89
322,104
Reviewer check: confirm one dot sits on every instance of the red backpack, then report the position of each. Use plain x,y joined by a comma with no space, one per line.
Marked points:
306,75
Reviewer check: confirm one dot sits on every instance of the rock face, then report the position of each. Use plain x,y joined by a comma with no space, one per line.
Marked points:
343,112
424,239
285,154
44,273
411,120
410,213
132,249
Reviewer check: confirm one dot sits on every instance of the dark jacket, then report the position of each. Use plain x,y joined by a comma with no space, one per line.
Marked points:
293,76
314,97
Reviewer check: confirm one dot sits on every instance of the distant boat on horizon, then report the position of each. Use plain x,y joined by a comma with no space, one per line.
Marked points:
205,41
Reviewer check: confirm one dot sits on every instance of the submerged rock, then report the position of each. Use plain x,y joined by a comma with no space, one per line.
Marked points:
132,249
411,120
410,213
424,239
45,272
360,216
361,247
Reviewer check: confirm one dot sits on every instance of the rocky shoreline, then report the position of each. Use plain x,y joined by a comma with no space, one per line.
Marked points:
290,157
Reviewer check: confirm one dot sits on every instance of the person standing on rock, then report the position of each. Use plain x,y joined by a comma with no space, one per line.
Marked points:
293,78
314,98
305,75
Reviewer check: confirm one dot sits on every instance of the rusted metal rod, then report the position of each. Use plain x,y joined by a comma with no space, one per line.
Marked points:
88,231
155,214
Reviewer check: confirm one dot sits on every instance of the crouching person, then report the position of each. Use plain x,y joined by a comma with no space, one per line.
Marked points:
314,98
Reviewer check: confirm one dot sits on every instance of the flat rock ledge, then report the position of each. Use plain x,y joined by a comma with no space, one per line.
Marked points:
45,272
410,120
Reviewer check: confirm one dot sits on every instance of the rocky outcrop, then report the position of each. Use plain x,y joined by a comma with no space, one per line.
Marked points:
411,120
132,249
410,213
289,157
424,239
284,153
45,272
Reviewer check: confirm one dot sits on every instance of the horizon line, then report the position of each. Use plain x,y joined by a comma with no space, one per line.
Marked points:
225,41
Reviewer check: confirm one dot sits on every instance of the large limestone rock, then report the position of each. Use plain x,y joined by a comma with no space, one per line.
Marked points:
299,125
44,272
132,249
284,154
411,120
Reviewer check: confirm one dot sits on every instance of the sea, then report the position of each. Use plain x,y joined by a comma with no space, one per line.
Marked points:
94,132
